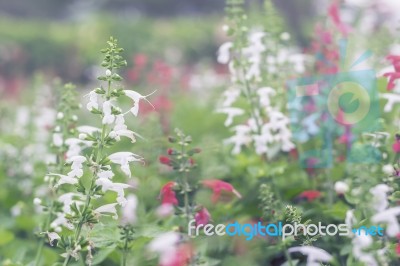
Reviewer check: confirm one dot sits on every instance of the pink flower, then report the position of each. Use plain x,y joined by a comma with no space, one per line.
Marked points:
396,146
218,186
202,216
167,194
140,60
181,256
333,13
398,249
393,76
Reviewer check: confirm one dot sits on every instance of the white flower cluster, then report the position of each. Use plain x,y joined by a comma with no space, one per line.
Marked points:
267,128
383,215
113,128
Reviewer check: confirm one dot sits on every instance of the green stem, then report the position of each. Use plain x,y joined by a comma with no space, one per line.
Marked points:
185,183
288,257
125,252
186,200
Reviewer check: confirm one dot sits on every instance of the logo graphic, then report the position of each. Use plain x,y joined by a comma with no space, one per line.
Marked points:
327,108
279,229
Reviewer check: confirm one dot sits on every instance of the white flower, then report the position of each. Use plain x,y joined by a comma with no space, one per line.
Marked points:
360,242
314,255
60,115
37,201
89,130
129,210
166,246
136,97
241,137
105,174
164,243
74,147
230,96
231,112
82,136
165,210
120,129
388,169
108,73
67,199
392,100
113,135
61,220
388,216
52,236
108,117
285,36
108,209
341,187
265,94
224,53
64,179
106,185
93,101
380,201
57,139
123,159
76,165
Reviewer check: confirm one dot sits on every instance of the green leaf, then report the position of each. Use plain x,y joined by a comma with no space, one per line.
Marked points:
5,237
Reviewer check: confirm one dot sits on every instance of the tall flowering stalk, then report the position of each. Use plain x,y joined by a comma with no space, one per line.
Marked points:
64,128
178,197
91,175
254,63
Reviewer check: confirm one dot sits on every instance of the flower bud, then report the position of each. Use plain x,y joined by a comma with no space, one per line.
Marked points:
108,73
37,201
165,160
341,187
60,115
172,139
82,136
112,135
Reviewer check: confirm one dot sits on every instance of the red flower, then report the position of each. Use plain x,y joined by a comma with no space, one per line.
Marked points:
167,194
393,76
310,195
396,147
218,186
398,249
170,151
140,60
165,160
202,216
333,12
181,256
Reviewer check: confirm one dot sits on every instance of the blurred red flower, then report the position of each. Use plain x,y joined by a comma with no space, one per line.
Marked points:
393,76
165,160
202,216
218,186
310,195
167,194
